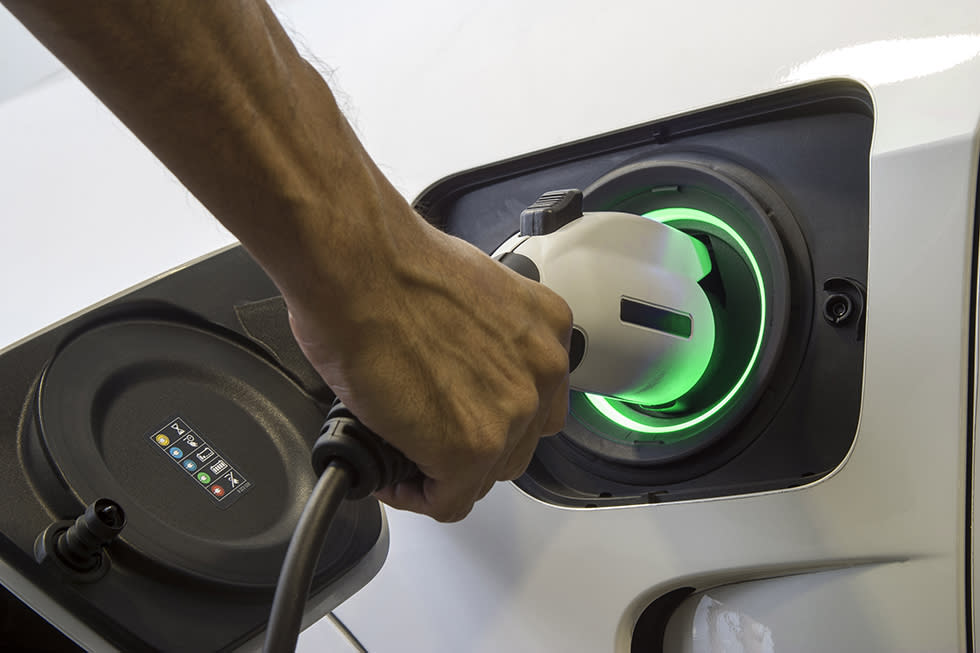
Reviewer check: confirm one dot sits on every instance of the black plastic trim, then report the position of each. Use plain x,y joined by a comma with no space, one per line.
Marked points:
653,317
840,95
809,146
521,264
201,295
651,626
971,413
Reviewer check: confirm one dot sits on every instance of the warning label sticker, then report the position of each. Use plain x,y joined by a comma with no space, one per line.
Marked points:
200,462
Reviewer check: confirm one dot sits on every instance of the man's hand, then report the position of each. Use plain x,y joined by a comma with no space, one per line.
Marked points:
452,358
455,360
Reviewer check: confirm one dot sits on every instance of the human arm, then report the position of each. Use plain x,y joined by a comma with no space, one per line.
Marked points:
453,359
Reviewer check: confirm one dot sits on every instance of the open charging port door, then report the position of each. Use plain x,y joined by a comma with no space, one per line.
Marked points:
163,458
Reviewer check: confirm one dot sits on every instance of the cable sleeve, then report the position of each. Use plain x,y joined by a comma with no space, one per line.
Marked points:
302,556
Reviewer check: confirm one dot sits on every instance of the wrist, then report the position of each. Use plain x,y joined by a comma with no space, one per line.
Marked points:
348,248
335,218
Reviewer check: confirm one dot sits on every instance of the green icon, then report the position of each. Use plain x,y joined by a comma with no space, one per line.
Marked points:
204,478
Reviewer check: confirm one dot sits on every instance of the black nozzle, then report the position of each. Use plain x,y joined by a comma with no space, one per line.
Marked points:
374,463
82,544
78,548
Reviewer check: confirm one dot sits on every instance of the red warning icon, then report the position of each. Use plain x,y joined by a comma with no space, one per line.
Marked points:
217,490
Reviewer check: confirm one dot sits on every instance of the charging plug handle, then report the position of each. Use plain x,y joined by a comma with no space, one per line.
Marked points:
352,461
373,463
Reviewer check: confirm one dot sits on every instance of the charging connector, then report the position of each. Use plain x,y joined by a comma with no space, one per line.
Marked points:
374,463
352,462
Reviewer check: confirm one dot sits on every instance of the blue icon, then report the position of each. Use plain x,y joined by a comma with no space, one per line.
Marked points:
190,465
177,452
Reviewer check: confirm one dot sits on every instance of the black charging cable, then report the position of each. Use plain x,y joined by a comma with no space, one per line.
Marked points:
352,462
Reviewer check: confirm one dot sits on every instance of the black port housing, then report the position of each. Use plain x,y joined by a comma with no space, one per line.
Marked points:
803,154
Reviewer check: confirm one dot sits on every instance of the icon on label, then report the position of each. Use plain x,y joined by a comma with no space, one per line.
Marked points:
190,449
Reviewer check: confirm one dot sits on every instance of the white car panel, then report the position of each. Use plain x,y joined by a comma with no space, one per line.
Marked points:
437,87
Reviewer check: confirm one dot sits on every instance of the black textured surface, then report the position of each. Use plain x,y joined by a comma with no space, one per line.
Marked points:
109,387
22,629
144,603
550,212
267,323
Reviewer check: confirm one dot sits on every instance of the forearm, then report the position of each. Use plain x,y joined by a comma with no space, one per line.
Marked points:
218,92
454,359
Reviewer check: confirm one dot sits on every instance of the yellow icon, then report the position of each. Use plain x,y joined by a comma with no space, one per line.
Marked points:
163,440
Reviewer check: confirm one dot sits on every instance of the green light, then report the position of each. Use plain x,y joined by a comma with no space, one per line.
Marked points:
704,258
619,412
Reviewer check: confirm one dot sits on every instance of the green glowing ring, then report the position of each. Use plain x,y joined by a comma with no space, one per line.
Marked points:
619,412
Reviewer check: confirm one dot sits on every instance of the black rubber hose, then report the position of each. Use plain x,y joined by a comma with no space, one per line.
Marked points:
302,556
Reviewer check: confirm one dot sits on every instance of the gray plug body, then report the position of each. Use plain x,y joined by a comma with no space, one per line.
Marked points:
632,285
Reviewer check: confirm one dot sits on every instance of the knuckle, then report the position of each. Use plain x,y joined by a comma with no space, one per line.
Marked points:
489,446
450,513
475,446
559,310
556,420
515,470
550,365
442,515
566,318
560,402
485,490
520,458
556,364
525,403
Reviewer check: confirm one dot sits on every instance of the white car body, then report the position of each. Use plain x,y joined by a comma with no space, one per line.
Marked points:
877,556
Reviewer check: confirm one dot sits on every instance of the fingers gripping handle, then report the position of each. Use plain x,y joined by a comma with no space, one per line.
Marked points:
525,267
374,463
